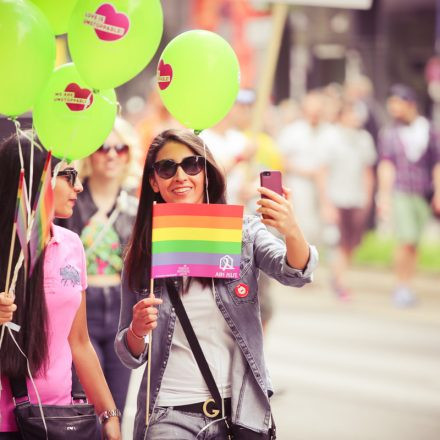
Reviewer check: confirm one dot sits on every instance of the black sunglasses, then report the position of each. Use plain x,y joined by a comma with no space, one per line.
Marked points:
70,174
119,148
167,168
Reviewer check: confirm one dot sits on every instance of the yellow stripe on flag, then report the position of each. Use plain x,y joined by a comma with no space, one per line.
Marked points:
203,234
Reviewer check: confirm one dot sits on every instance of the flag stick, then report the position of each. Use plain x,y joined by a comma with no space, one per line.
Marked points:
265,83
279,15
150,340
11,254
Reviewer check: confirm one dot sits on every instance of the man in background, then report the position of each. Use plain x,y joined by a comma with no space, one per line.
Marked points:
409,181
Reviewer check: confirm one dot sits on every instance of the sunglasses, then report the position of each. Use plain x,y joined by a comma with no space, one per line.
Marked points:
119,148
167,168
70,175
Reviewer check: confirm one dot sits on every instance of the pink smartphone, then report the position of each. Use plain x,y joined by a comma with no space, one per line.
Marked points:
272,180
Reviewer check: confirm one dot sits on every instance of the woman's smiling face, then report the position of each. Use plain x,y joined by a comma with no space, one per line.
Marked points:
182,187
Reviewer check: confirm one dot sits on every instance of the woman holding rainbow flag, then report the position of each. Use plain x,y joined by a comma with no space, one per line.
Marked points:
221,389
48,308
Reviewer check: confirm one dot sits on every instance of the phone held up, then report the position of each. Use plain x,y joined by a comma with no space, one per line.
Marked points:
271,180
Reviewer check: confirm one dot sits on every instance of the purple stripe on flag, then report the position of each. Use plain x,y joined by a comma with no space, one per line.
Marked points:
194,270
190,258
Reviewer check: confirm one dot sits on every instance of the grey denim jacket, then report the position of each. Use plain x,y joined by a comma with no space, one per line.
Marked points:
251,385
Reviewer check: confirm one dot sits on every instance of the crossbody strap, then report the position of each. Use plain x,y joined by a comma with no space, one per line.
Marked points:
197,350
193,342
19,387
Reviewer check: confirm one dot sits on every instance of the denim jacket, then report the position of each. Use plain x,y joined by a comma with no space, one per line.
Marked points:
250,381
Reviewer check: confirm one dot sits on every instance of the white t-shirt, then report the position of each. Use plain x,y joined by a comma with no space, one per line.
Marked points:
300,143
183,382
415,137
346,157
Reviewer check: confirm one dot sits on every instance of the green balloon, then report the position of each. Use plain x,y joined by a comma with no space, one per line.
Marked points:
70,118
198,77
57,12
27,54
111,43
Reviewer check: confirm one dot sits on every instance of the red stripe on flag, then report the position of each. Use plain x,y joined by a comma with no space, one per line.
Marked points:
204,209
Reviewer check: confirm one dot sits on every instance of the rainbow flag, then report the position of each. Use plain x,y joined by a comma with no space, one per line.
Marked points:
197,240
43,212
21,215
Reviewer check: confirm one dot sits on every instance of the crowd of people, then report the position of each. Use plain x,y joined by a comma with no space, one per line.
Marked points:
347,164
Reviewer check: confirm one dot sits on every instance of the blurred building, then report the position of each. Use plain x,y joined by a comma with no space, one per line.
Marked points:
391,42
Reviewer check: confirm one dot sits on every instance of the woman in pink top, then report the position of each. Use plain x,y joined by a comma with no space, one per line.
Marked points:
50,305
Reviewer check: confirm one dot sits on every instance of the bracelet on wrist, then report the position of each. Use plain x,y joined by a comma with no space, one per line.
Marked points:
139,338
105,415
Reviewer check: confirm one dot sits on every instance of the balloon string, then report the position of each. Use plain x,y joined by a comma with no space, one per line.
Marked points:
17,132
32,381
31,172
206,169
108,100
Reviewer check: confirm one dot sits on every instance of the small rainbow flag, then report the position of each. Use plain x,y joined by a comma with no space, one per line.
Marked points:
21,215
197,240
43,211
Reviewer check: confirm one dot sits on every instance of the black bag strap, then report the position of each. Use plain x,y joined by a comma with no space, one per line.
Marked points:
193,342
19,387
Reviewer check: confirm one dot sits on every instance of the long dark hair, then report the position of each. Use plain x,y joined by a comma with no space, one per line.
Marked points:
31,313
138,256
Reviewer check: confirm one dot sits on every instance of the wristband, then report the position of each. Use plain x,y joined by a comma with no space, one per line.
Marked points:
104,416
139,338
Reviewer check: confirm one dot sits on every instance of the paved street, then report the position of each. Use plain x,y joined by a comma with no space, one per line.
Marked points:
353,371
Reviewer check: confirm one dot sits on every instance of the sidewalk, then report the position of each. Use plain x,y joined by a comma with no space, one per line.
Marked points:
361,370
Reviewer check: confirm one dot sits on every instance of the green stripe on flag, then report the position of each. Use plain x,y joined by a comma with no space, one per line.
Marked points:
212,247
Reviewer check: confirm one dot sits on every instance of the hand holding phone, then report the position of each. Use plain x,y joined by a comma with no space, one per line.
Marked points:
272,180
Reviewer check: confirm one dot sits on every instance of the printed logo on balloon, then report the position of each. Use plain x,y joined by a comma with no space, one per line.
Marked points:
109,24
76,98
164,75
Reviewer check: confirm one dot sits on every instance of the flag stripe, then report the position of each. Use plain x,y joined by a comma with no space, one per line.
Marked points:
21,217
43,214
192,258
170,270
167,234
19,194
202,209
183,221
217,247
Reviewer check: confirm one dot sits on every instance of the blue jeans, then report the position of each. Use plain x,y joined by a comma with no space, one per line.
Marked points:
170,424
103,307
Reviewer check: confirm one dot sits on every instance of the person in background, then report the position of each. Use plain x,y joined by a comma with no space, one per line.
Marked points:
348,169
359,91
50,305
103,218
301,143
409,173
225,314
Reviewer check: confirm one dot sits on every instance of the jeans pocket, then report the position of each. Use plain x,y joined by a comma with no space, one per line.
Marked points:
158,414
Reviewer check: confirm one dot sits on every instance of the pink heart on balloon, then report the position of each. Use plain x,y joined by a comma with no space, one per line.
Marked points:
164,75
114,26
81,99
